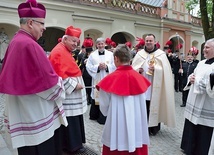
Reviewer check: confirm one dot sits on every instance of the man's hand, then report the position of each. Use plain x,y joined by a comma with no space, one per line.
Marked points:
85,61
181,71
151,68
170,54
79,86
192,79
102,66
211,80
141,70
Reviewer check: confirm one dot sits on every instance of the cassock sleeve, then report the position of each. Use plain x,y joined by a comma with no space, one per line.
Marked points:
209,88
111,65
69,84
104,99
91,67
210,91
187,87
55,93
137,62
211,80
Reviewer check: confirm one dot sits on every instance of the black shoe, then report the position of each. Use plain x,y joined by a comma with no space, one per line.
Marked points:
91,118
152,134
81,150
183,105
154,130
102,122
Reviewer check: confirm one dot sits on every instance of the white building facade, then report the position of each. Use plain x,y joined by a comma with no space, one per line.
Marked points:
120,20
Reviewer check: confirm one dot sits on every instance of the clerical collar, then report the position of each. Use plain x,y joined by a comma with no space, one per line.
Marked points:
101,52
209,61
155,48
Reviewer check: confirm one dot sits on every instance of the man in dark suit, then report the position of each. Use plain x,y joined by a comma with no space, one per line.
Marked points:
188,68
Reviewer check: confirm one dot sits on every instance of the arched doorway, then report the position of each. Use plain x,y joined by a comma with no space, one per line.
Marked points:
50,38
119,38
93,33
122,38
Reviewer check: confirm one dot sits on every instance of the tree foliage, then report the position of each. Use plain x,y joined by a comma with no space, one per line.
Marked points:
206,13
191,5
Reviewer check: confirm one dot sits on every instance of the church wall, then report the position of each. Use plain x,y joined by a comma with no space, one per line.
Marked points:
56,18
99,22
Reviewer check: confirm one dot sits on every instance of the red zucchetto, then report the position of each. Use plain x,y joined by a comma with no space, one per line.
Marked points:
129,44
193,51
88,44
74,32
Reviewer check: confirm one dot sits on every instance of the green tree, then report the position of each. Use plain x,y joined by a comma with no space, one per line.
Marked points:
191,5
206,13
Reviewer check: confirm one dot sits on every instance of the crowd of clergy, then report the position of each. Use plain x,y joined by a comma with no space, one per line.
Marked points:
130,90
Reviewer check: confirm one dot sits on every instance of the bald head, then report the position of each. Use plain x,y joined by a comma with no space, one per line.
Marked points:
209,49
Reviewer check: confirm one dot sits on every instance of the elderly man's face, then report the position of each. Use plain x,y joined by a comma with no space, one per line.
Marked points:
209,50
101,46
37,27
71,42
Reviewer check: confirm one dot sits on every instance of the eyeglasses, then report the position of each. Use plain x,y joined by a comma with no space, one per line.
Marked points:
42,23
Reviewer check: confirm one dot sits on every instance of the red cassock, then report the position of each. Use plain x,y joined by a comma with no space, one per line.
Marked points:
63,62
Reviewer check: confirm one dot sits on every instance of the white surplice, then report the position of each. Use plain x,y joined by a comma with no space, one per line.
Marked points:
32,119
75,102
93,63
200,106
126,126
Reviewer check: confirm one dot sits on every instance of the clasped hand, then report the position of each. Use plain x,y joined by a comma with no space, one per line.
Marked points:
102,66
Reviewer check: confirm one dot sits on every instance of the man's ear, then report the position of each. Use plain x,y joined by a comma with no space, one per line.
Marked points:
30,23
116,58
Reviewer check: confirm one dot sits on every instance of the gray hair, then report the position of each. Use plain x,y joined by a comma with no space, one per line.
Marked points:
63,37
211,40
66,37
23,20
100,40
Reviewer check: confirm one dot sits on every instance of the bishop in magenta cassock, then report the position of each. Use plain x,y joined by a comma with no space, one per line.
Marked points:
33,91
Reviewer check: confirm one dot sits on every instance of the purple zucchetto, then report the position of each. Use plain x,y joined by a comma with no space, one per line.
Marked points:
31,9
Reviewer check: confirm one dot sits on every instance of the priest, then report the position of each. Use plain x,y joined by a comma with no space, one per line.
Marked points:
152,63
